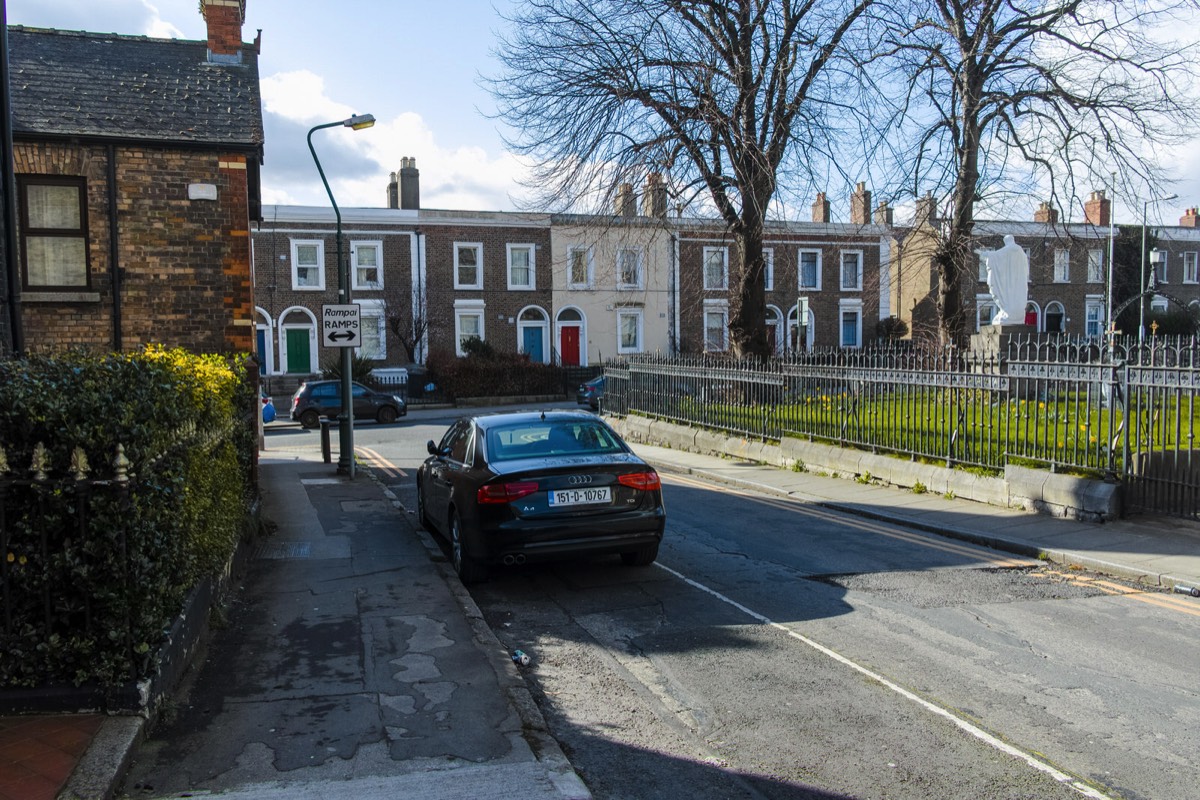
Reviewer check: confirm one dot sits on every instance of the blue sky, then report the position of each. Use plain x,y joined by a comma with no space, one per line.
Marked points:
414,64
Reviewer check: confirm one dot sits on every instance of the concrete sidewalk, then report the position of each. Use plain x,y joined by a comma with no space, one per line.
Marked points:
353,665
1158,551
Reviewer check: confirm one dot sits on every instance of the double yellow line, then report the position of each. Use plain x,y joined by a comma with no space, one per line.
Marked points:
1154,598
374,460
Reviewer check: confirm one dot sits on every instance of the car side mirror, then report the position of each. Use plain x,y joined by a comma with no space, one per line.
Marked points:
432,448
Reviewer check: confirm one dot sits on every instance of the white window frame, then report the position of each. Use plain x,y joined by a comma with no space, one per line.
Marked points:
850,307
709,253
373,311
462,310
1159,303
1062,265
589,267
478,284
1095,266
509,250
641,272
296,244
793,323
982,268
983,301
1191,267
1093,314
769,269
800,270
842,271
377,246
721,309
637,315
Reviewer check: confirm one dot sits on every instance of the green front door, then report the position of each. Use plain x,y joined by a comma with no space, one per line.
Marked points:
298,356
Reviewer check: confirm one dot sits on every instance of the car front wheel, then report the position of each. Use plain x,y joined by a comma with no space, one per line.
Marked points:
469,570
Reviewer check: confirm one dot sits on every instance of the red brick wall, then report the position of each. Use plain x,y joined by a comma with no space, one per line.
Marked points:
185,263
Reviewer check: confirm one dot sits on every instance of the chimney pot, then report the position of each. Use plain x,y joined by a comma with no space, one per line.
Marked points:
1098,209
820,209
1191,218
1046,213
626,205
860,205
654,196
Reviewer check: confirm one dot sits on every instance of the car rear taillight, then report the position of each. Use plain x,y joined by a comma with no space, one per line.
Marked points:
646,481
505,492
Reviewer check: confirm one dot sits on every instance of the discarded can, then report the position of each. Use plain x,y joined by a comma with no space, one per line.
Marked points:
1192,590
521,657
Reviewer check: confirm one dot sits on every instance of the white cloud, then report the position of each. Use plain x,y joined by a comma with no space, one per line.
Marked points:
459,178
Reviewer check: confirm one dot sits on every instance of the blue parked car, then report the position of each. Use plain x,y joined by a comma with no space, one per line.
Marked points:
590,393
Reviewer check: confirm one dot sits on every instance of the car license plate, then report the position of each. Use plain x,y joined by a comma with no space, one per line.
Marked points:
580,497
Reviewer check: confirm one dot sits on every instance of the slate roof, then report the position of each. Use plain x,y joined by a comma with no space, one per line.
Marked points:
72,83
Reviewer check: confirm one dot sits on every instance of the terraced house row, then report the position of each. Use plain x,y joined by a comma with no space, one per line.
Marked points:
578,289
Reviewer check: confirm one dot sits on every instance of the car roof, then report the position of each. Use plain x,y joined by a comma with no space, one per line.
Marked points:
494,420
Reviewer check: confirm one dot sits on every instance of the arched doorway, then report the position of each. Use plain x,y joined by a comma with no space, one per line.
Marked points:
1056,317
533,334
570,330
298,341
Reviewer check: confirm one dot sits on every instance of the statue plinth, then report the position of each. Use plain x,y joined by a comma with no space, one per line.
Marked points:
994,339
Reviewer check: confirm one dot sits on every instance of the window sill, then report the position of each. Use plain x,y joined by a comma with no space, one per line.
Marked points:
60,297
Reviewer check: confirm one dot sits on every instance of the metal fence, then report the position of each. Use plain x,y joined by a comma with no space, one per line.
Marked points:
1124,410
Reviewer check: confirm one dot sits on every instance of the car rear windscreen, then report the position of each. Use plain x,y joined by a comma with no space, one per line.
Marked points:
541,438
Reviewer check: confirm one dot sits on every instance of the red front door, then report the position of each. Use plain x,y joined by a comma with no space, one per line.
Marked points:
568,345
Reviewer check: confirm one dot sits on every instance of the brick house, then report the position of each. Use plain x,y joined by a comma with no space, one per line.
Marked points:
1068,269
137,176
437,276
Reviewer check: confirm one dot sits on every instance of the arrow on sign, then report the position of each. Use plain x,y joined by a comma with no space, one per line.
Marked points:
338,336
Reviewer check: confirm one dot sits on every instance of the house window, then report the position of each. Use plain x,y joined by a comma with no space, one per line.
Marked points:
629,331
1190,268
850,323
716,267
983,262
580,268
1094,318
1095,273
852,270
372,329
366,264
1062,266
468,265
810,269
308,264
768,269
521,267
716,327
629,268
985,311
54,232
468,323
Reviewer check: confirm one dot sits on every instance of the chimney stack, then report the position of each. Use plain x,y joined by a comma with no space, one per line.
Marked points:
410,184
393,191
654,197
926,210
860,205
1046,213
626,204
1098,209
224,19
1191,218
883,214
820,208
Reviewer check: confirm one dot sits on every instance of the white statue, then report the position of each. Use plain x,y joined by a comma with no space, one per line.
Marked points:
1008,281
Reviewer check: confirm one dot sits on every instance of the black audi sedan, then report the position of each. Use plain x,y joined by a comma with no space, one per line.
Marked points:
507,488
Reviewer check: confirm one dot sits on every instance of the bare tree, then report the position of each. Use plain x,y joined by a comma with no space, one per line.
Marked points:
720,95
1006,95
409,324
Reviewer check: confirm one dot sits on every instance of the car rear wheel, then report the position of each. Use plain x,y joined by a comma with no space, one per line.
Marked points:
641,557
310,418
386,415
469,570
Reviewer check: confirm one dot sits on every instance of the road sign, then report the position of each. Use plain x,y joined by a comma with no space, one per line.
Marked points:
341,325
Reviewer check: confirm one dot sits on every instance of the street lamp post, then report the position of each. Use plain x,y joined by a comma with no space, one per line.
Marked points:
346,417
1144,287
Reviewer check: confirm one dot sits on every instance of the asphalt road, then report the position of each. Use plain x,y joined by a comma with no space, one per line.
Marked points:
783,651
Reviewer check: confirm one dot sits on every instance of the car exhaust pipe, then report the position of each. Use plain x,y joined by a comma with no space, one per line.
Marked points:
519,559
509,560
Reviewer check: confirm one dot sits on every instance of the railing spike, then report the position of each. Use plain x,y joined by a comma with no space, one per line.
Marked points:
40,461
121,465
79,464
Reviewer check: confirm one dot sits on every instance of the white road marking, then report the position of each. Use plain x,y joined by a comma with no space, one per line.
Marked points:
974,730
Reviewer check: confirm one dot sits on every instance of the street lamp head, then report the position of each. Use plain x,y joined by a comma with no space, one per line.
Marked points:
359,121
